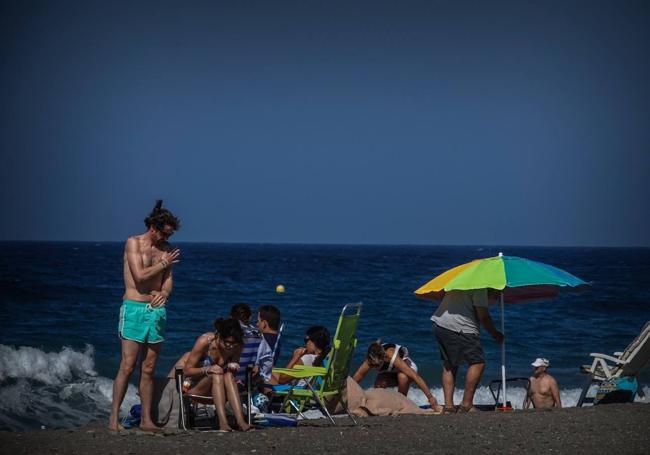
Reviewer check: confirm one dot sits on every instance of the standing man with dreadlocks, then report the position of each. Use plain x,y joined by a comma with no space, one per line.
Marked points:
148,260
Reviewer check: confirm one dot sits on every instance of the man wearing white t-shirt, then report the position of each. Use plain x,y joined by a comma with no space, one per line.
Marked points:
456,327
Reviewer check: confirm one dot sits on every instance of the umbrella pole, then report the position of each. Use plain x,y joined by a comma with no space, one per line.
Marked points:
503,354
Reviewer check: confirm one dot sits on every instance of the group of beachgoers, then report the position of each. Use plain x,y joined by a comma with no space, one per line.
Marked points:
213,367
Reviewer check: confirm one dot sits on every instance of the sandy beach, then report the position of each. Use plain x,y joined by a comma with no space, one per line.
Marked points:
619,427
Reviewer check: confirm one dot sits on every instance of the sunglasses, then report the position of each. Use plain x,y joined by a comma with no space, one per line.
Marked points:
228,344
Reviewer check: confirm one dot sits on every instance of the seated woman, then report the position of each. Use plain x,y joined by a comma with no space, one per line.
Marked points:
211,366
395,369
313,353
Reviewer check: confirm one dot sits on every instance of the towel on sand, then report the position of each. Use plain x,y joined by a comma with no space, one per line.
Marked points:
379,402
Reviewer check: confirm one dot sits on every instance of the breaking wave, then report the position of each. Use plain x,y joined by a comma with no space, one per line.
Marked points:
53,389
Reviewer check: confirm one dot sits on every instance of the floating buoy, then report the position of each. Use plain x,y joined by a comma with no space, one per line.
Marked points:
279,289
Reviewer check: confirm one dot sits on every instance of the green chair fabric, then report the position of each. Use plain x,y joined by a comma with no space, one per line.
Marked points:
326,382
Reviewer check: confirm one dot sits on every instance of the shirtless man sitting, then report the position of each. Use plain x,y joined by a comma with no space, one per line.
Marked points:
543,392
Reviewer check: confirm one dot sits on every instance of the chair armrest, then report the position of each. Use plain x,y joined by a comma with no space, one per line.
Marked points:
608,357
305,372
618,354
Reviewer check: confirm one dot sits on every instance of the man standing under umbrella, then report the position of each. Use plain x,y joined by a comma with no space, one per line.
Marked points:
456,327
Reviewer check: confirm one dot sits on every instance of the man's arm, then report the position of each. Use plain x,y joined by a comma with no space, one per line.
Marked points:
160,298
555,390
486,320
526,403
139,272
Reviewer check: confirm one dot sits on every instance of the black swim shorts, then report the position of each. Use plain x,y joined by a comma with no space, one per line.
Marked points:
458,348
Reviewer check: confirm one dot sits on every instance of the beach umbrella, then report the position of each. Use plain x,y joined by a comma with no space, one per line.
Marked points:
518,279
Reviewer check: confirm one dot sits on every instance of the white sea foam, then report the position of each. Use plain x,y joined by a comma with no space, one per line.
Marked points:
516,396
53,389
46,367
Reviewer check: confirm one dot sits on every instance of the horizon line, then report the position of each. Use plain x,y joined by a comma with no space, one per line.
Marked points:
451,245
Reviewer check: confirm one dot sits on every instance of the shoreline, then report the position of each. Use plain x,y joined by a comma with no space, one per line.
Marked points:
620,427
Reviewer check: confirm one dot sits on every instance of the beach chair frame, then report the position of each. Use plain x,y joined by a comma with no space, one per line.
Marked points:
325,382
628,362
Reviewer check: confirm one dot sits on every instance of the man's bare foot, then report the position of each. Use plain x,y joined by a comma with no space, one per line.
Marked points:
244,426
225,428
151,428
115,426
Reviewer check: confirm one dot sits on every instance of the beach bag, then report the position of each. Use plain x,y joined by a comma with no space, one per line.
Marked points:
133,419
166,406
617,390
276,420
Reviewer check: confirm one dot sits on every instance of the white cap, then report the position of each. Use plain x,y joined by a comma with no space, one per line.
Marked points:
540,362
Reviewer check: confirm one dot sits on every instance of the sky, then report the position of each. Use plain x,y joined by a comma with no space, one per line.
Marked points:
435,122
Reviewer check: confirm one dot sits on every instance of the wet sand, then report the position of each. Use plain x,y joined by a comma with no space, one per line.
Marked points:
623,428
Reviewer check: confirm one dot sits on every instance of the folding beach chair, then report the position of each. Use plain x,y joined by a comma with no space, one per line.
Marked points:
627,363
194,410
325,383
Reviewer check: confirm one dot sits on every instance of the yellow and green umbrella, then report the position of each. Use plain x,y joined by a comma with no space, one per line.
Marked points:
518,279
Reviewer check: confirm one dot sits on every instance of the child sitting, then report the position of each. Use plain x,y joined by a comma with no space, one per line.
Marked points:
268,323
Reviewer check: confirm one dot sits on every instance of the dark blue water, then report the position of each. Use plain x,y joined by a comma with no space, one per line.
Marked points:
57,295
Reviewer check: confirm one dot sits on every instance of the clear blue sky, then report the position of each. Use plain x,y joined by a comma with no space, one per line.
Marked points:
507,123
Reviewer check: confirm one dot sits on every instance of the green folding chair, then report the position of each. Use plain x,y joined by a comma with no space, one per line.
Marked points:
325,383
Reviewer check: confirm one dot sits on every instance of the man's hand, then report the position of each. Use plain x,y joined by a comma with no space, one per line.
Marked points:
498,336
158,299
171,256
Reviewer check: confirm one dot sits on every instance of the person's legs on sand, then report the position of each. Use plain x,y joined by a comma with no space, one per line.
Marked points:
149,354
449,383
474,373
235,402
219,397
130,351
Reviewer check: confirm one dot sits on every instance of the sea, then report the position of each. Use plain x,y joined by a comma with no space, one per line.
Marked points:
59,349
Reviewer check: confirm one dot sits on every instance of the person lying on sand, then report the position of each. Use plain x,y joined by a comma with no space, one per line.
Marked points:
543,391
395,369
211,366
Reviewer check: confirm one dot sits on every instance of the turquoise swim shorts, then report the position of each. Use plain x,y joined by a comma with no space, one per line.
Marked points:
141,322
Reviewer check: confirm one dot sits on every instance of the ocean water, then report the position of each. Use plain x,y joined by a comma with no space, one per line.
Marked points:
59,349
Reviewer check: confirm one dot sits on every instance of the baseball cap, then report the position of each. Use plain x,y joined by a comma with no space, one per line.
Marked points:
540,362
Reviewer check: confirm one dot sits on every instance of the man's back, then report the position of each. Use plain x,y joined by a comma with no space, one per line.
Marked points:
457,313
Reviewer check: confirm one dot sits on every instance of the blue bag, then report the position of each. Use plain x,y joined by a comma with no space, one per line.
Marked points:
276,420
617,390
133,419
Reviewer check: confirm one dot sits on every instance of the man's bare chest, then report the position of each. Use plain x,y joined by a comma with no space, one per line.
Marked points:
150,255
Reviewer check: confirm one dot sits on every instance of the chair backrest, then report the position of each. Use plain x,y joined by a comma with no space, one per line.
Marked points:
252,340
343,345
276,347
637,353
